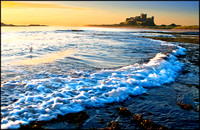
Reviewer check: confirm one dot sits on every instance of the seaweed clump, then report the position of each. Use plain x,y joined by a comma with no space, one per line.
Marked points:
75,118
34,125
124,112
146,124
113,125
185,106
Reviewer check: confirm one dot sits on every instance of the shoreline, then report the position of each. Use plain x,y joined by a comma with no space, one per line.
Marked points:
138,28
182,39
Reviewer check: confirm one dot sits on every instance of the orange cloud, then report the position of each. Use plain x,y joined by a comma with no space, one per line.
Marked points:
11,4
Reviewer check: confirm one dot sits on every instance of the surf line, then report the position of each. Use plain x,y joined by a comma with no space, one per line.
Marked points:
45,58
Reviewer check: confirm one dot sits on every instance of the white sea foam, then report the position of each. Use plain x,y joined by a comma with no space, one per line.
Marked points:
45,98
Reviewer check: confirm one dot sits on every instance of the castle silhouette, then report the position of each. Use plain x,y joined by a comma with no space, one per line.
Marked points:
140,20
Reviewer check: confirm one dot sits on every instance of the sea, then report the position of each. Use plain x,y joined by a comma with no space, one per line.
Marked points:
70,69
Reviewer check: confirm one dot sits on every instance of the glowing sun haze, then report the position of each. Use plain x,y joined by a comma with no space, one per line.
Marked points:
78,13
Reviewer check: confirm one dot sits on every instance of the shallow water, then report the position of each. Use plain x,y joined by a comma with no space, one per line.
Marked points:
71,69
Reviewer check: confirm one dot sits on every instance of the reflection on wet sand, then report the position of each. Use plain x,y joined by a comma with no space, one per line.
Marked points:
44,59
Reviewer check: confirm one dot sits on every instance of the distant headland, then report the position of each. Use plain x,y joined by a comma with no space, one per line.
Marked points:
12,25
143,22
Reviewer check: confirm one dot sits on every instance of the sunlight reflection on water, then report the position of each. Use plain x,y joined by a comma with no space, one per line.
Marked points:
45,58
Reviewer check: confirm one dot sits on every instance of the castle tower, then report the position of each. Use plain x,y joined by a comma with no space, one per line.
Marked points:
143,16
152,18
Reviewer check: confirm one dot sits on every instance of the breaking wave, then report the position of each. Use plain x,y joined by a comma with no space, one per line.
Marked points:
46,97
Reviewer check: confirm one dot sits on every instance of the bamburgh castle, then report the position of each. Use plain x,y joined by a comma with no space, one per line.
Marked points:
140,20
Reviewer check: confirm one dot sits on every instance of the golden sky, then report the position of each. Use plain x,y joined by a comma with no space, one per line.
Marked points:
65,13
51,14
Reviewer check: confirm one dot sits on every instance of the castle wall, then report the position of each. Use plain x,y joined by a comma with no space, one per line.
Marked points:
143,16
141,19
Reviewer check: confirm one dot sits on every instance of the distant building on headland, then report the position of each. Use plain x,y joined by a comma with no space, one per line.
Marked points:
140,20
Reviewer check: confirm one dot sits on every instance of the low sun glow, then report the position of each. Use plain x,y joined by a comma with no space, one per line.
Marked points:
75,14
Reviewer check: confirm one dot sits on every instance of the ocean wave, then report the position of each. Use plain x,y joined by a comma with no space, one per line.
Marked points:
46,97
